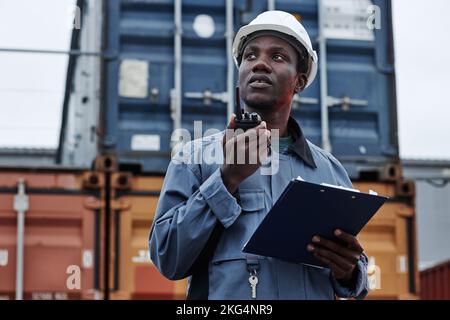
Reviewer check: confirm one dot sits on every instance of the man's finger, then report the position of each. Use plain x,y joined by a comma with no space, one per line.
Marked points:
337,271
350,239
262,125
249,136
345,252
232,122
228,136
252,134
259,129
230,130
333,257
322,259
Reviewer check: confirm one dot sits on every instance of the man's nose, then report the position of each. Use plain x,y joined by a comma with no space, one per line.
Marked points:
261,64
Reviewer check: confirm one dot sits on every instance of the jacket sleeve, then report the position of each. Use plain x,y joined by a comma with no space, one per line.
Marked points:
358,288
187,212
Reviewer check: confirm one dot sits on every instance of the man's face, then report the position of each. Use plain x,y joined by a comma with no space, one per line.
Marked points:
268,74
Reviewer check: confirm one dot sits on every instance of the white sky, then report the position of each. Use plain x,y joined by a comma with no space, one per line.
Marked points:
422,47
31,86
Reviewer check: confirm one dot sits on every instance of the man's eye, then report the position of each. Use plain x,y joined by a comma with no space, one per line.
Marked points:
278,57
250,56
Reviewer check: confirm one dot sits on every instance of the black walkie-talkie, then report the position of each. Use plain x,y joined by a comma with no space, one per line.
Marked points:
245,120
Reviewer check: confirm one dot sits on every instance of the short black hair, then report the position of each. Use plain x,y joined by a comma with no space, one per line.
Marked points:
303,59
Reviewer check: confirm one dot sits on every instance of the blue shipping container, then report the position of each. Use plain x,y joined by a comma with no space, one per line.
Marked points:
167,66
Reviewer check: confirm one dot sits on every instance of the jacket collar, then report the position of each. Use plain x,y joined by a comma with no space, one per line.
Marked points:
300,146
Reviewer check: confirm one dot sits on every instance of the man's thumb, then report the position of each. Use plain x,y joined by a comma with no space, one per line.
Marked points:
232,123
231,126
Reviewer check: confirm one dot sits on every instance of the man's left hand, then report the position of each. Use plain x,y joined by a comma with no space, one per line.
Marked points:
342,259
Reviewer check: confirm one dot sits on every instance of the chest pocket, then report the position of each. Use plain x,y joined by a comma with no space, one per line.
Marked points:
251,200
234,237
228,270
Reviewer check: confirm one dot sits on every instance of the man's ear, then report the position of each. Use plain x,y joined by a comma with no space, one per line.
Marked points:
301,82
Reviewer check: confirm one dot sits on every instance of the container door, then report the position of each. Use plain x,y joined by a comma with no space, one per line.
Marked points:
136,276
58,238
389,242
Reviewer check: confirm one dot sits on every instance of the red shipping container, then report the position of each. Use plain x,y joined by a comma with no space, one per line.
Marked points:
58,236
435,282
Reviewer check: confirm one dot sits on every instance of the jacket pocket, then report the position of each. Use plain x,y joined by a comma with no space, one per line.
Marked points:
223,258
251,200
228,277
318,284
236,236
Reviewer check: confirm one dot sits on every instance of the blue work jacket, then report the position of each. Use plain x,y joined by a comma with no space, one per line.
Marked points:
194,200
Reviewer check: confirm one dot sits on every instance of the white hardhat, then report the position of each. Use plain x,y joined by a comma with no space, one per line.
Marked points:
283,23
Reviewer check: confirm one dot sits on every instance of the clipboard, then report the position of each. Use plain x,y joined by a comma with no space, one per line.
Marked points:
305,209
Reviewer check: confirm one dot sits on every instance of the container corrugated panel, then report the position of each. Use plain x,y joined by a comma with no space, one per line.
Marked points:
389,240
435,282
433,220
60,232
59,238
136,276
137,122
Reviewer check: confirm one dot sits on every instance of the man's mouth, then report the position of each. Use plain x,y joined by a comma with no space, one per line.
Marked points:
260,82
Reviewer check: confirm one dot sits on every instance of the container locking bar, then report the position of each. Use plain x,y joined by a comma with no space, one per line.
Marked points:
21,205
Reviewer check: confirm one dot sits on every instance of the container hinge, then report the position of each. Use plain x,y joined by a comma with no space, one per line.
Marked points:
93,203
346,102
120,205
207,96
21,203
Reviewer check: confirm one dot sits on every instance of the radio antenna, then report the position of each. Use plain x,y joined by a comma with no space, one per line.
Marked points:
238,105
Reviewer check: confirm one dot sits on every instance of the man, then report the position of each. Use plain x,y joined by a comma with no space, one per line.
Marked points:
206,213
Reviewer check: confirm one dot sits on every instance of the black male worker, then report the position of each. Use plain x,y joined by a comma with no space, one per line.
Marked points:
276,61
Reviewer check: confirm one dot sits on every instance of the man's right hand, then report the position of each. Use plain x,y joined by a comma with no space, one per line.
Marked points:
243,153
